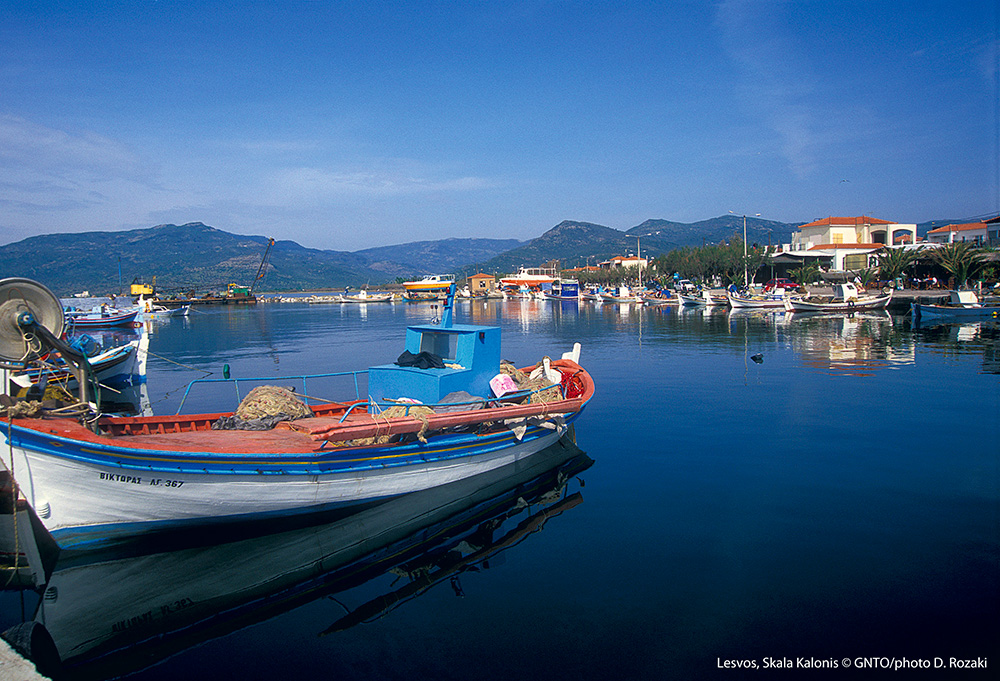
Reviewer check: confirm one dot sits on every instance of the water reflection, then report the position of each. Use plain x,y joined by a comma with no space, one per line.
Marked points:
856,344
112,613
954,339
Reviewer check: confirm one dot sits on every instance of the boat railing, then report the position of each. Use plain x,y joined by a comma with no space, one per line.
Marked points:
357,405
271,380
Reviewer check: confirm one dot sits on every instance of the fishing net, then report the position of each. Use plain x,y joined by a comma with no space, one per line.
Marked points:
547,390
415,411
262,408
270,400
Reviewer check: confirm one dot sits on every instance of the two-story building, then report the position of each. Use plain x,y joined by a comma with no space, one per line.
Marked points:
982,233
847,243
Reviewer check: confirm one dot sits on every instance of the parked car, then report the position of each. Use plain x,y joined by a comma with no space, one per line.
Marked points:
685,285
781,282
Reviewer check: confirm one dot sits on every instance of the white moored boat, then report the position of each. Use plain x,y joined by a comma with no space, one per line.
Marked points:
702,298
774,300
431,418
845,298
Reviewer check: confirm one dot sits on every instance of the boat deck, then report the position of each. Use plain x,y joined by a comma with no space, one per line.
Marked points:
182,433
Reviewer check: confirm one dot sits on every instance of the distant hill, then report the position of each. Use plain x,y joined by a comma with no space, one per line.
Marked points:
196,257
434,257
182,258
664,235
579,243
570,242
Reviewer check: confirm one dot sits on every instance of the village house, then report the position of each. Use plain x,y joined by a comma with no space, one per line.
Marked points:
481,283
982,233
847,243
624,261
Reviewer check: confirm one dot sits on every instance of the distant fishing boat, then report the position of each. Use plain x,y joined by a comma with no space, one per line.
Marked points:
444,411
365,297
436,284
702,298
620,294
774,300
150,310
563,289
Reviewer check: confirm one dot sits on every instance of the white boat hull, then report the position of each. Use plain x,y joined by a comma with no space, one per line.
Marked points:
738,302
86,503
796,304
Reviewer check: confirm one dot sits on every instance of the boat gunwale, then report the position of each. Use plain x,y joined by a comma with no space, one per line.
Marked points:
308,449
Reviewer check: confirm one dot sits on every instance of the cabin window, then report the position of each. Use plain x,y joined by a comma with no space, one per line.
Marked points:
440,344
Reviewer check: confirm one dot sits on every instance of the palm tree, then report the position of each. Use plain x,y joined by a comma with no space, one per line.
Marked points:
962,259
892,262
808,273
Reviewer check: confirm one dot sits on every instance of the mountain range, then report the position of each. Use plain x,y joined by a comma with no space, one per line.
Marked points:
196,258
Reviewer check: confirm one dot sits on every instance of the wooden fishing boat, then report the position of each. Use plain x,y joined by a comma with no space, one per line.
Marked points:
845,298
116,367
101,318
92,481
961,305
774,300
620,294
702,298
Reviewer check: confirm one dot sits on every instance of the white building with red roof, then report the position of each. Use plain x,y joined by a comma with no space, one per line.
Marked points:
848,243
977,233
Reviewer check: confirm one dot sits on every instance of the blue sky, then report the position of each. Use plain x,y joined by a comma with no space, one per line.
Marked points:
346,125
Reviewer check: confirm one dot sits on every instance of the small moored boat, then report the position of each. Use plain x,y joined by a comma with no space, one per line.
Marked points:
702,298
960,305
772,300
845,298
366,297
103,317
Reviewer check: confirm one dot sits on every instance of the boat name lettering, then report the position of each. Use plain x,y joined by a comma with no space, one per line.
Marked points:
175,606
115,477
159,482
122,625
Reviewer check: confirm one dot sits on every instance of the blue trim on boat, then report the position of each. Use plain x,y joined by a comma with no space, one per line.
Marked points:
443,447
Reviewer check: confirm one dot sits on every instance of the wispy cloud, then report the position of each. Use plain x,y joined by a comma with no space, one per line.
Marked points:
318,184
25,145
773,81
44,170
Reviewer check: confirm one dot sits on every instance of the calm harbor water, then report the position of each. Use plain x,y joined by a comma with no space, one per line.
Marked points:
840,498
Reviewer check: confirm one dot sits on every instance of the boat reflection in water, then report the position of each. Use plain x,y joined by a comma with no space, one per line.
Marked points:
115,612
850,344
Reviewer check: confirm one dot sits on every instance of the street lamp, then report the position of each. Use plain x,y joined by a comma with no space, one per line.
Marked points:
746,271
